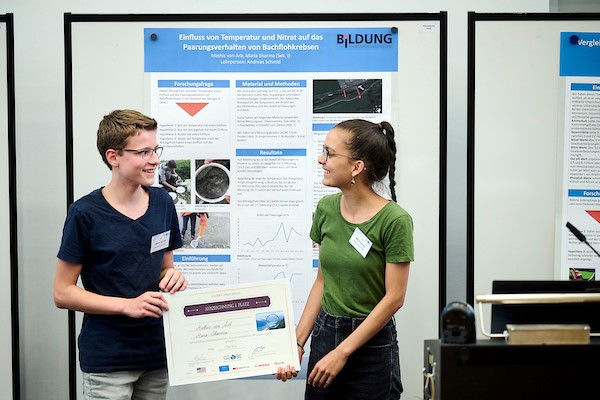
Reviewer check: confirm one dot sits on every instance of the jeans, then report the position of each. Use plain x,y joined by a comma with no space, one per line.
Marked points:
126,385
192,219
371,373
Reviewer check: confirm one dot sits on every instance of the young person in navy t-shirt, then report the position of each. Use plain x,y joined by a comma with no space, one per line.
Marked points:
119,239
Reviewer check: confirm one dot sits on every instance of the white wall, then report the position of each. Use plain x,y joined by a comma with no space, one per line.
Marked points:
41,171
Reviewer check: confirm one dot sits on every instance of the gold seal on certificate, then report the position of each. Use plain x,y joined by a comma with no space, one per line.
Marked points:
230,332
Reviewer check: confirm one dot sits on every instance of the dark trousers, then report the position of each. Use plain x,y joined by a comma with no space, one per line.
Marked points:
371,373
192,219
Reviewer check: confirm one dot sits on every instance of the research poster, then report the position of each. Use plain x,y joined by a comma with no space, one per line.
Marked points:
243,115
580,71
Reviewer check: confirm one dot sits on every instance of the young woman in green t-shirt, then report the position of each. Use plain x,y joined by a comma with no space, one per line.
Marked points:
365,249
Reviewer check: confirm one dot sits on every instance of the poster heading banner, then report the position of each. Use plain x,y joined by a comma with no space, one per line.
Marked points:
270,50
579,54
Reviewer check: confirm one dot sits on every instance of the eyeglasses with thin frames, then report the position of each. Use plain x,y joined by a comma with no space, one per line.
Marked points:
146,154
327,154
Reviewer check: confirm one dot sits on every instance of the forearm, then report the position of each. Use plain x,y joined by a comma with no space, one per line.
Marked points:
171,279
311,311
396,280
167,264
67,294
148,304
377,319
74,298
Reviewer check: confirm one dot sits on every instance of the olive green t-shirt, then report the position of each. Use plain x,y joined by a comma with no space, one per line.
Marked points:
355,284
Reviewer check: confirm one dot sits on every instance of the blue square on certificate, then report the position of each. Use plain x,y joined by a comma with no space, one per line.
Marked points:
223,368
270,320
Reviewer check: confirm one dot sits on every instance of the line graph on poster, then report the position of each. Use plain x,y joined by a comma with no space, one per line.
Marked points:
289,276
265,269
255,234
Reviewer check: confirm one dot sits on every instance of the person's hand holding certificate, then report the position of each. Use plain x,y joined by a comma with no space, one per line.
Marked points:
230,332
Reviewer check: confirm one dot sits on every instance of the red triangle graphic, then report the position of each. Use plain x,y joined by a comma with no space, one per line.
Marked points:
595,214
192,108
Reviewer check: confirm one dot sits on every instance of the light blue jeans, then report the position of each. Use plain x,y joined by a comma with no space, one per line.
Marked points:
126,385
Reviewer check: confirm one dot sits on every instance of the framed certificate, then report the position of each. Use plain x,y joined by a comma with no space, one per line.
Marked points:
230,332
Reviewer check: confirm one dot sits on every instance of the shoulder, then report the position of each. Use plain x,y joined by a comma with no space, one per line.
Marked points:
88,202
159,196
85,209
158,193
394,212
396,209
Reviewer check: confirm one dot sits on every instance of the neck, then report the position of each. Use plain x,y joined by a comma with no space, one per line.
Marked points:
131,201
359,203
123,194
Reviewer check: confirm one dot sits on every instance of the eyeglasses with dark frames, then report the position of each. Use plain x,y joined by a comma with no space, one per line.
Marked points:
146,154
328,154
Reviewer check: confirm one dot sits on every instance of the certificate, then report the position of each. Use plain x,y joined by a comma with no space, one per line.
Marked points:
229,332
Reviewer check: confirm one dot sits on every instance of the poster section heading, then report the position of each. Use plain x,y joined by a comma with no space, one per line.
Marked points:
270,50
194,83
579,54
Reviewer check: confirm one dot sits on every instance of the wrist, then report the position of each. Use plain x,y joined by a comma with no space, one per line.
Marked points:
343,350
301,347
122,306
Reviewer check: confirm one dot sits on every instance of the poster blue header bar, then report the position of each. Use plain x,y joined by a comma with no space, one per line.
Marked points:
579,54
270,152
584,193
188,83
195,258
322,127
593,87
270,84
270,50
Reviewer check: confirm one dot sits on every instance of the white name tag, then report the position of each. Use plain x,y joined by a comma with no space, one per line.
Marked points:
160,241
360,242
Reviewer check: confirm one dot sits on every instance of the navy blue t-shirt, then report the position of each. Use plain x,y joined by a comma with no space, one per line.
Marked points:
115,252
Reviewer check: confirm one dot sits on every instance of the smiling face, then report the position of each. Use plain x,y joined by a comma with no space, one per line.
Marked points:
131,167
336,160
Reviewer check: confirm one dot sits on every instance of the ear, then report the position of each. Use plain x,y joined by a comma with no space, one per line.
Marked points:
111,157
359,166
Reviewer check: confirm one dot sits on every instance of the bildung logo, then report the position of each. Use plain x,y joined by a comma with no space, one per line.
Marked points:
364,39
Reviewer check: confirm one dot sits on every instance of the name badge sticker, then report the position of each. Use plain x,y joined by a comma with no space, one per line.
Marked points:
160,241
360,242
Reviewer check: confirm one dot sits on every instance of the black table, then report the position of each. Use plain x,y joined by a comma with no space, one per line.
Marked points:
492,369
